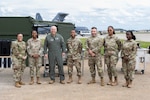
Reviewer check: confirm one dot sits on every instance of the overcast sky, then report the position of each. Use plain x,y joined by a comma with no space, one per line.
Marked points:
126,14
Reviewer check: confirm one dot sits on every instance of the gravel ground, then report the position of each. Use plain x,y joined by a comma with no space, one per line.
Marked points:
74,91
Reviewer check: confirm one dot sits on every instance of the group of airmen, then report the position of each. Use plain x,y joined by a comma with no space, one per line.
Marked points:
55,48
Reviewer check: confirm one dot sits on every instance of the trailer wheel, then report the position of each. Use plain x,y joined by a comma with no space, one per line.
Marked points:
44,75
135,71
142,71
122,69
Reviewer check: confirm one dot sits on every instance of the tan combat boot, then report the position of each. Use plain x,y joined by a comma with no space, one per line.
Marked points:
70,79
125,84
92,81
38,80
110,81
79,80
32,81
21,83
130,84
51,81
62,81
115,82
102,81
17,85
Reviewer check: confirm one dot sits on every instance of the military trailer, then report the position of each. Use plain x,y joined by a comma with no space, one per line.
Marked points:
10,26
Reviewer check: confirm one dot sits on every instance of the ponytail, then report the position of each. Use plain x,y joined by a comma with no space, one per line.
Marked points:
133,36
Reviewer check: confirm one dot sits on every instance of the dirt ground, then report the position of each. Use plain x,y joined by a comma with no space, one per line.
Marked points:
74,91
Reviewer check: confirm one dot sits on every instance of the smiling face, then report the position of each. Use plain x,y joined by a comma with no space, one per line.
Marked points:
20,37
53,30
128,35
93,32
110,31
73,33
34,34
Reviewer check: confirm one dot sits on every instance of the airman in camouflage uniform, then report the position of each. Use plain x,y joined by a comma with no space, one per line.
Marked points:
112,46
74,48
128,54
18,48
93,46
34,49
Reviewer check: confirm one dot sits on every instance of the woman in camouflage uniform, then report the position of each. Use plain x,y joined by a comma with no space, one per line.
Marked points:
19,56
128,54
34,50
112,46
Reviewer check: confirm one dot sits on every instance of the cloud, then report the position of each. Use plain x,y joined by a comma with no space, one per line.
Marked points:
118,13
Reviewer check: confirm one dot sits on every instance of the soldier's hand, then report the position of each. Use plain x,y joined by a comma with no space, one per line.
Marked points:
46,56
93,54
24,58
35,55
90,52
63,54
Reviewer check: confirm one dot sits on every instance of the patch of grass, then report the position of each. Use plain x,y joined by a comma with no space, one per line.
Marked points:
83,40
42,41
144,44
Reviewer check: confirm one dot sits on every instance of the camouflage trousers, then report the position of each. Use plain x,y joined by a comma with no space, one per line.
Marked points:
95,61
111,62
35,64
74,62
128,68
18,67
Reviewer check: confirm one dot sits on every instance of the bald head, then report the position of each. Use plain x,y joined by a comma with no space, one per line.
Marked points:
53,30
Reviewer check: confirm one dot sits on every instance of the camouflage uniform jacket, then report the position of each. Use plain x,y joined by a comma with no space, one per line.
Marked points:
95,44
18,49
34,47
74,48
112,45
129,49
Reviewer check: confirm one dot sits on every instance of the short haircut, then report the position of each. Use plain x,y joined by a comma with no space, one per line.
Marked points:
73,30
19,33
33,30
94,28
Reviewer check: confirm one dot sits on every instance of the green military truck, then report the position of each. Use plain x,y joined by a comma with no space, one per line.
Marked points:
10,26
